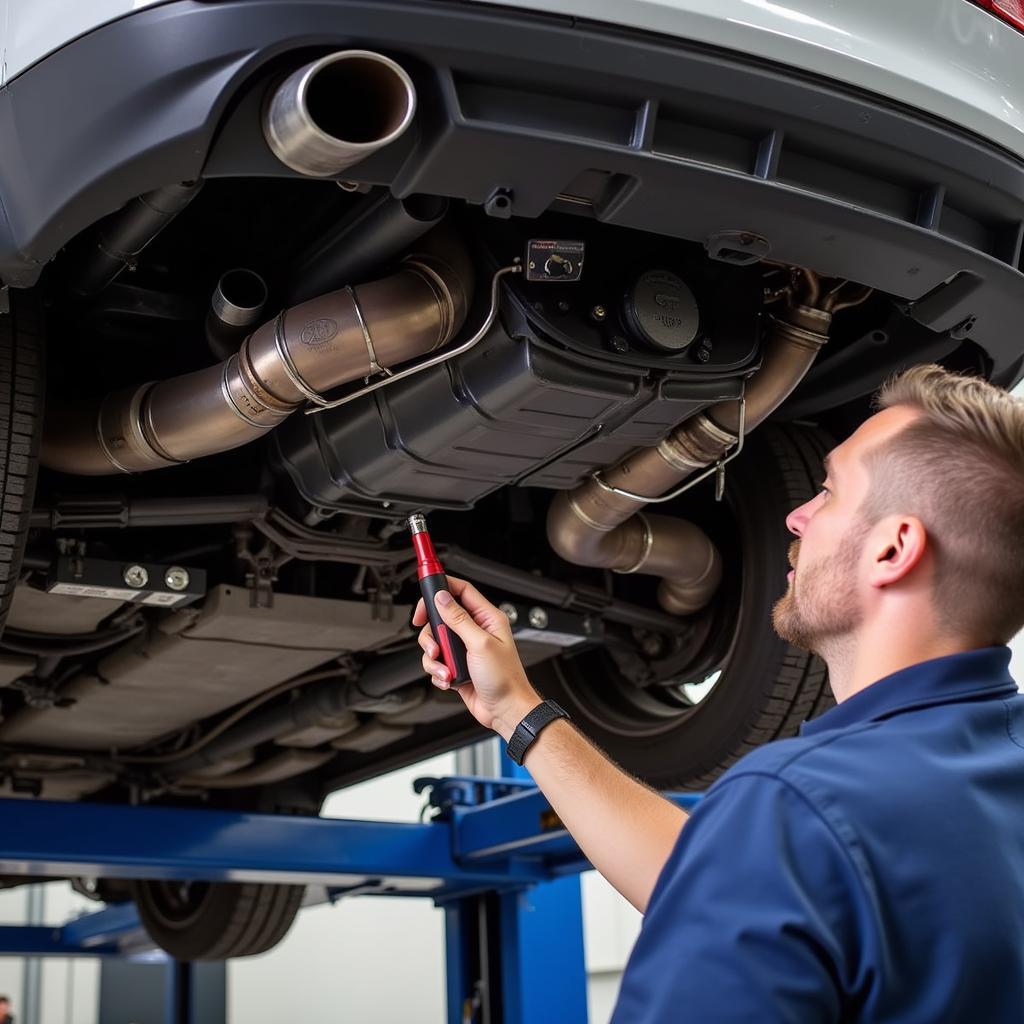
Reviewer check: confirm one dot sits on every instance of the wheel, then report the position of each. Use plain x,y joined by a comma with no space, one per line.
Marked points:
215,920
21,420
678,719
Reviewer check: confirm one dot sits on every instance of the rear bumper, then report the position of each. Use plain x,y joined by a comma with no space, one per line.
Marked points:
637,130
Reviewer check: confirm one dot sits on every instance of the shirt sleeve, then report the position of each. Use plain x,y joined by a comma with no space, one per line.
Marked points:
754,918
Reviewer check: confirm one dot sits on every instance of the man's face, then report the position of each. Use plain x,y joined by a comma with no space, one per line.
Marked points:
824,602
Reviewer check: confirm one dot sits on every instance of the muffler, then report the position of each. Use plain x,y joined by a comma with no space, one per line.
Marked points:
296,357
338,110
599,523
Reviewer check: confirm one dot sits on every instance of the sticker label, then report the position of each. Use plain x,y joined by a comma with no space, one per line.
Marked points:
550,636
166,600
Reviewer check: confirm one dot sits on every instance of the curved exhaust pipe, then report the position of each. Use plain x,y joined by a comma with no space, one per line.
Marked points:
591,525
305,351
338,110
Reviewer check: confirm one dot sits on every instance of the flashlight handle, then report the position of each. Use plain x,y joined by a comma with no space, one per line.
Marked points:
453,650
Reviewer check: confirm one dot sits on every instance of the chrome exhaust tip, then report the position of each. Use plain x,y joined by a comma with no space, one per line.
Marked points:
338,110
236,306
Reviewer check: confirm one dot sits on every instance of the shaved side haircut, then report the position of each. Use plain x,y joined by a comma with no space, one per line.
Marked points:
959,468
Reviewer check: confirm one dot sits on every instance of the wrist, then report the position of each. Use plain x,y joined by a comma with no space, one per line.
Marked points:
508,717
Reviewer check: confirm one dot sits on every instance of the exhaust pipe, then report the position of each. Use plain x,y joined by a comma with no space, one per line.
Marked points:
337,111
362,242
236,306
118,239
305,351
592,525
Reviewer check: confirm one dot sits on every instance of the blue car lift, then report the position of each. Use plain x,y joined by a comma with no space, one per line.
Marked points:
494,856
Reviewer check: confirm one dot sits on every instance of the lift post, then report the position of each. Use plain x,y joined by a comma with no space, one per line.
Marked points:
494,856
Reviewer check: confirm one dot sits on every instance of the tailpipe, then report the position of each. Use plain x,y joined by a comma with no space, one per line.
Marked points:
296,357
337,111
599,523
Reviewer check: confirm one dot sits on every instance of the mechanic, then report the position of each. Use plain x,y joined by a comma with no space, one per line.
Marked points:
871,869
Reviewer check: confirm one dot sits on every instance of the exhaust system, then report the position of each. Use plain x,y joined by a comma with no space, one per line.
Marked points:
599,523
337,111
305,351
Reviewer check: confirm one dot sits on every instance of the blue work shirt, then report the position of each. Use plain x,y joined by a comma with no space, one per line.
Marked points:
871,869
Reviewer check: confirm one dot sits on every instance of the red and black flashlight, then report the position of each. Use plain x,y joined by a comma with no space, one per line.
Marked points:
432,582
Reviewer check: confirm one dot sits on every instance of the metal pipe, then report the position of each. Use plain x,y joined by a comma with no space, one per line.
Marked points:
591,525
363,241
303,352
119,238
320,703
117,513
284,765
576,597
338,110
236,306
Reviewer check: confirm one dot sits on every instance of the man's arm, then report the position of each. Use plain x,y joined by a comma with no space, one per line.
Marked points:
625,829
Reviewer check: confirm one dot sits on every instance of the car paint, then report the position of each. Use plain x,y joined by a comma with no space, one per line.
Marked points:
948,58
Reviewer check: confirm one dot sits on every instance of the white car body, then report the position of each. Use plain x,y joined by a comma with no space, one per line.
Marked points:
948,58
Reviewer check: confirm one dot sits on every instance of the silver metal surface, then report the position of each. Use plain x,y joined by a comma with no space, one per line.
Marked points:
136,576
417,523
538,618
239,297
176,578
338,110
307,349
425,364
717,468
510,611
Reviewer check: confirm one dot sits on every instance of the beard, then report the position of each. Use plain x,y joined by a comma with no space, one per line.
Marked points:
820,609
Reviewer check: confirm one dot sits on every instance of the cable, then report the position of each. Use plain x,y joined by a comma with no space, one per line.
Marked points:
94,642
206,738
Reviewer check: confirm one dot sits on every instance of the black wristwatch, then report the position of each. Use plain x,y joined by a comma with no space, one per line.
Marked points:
529,728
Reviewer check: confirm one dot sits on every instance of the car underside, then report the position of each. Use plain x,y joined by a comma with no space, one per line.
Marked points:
402,269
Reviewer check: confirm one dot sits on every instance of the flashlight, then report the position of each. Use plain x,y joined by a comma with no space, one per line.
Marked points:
432,581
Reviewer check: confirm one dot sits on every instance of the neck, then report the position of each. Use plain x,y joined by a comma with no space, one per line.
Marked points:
858,660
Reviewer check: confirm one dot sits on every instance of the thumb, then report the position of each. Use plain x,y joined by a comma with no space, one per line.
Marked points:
460,621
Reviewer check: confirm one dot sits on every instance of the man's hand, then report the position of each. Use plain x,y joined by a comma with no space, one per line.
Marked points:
499,695
625,829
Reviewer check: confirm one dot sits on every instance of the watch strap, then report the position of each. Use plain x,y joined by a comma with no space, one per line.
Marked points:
529,728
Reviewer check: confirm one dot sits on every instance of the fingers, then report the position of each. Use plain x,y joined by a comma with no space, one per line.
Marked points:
427,642
436,670
459,619
419,616
485,614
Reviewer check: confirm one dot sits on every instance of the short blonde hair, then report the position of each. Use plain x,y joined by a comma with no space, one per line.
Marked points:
959,467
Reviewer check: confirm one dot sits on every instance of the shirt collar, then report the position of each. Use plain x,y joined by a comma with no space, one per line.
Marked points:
964,676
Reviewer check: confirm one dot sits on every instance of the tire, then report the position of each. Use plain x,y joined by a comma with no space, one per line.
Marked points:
21,421
216,920
766,687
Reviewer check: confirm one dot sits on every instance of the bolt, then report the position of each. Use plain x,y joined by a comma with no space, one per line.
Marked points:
511,611
652,645
176,578
385,504
538,618
618,343
599,313
563,306
136,576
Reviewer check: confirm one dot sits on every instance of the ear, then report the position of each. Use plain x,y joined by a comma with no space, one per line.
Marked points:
897,545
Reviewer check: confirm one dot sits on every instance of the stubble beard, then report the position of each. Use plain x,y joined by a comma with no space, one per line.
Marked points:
820,612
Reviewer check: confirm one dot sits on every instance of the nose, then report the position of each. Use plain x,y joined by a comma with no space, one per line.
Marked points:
798,519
